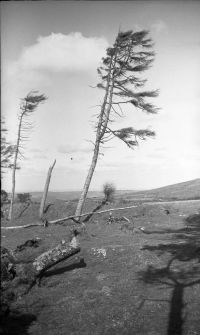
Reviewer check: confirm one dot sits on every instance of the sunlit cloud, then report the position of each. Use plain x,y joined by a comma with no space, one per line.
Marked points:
40,156
159,26
75,148
63,53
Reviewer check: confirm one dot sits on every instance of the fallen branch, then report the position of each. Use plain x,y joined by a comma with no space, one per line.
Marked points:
71,217
95,213
24,226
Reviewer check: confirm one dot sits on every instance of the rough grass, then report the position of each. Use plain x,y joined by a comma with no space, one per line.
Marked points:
123,282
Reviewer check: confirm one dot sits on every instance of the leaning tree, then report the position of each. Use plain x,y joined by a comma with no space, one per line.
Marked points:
7,149
131,54
27,107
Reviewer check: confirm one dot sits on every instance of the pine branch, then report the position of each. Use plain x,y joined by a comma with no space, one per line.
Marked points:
125,134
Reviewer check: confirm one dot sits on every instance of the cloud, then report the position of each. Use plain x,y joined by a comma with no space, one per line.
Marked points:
40,156
159,26
59,52
35,150
75,148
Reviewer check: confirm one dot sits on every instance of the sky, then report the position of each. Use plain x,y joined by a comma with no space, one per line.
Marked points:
55,47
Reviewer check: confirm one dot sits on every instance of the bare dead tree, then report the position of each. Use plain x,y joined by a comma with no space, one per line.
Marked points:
46,188
27,107
131,54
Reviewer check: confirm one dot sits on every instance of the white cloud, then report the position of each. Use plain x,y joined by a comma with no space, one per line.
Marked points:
68,53
75,148
159,26
40,156
41,65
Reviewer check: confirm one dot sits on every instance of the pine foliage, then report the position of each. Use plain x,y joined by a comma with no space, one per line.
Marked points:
7,149
28,105
130,55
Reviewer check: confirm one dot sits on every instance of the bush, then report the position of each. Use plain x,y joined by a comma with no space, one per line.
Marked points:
24,197
4,197
109,192
4,200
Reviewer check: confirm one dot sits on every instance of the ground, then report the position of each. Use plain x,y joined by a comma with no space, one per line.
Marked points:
141,277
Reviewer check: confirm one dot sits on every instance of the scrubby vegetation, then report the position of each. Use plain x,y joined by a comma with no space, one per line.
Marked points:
128,272
109,191
24,197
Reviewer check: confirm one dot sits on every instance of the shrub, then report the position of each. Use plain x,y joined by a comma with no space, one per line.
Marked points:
4,200
4,197
24,197
109,192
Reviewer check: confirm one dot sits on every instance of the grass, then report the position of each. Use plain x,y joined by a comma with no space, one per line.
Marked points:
123,282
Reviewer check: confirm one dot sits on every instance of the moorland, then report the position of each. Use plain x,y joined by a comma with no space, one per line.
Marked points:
138,271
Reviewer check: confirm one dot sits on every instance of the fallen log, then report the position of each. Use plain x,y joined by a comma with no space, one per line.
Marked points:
19,278
51,257
28,272
71,217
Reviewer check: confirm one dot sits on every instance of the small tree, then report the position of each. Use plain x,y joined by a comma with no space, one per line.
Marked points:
131,54
27,107
4,196
109,191
24,197
7,150
4,200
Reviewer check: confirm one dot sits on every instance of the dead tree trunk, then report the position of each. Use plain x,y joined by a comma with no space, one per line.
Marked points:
10,214
19,278
54,256
31,271
44,196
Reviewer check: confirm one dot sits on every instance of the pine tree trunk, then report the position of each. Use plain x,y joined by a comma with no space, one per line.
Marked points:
101,128
13,192
44,196
14,171
87,182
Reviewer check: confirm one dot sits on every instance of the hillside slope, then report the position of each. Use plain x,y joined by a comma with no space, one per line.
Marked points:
186,190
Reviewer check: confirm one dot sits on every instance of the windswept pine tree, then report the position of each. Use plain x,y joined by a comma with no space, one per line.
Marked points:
131,55
27,107
7,149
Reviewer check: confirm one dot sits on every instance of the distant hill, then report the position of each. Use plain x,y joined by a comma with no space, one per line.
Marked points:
65,196
186,190
72,195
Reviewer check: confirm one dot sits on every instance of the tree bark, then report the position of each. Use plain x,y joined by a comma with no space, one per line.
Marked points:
101,128
44,196
87,182
48,259
54,256
19,278
14,170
